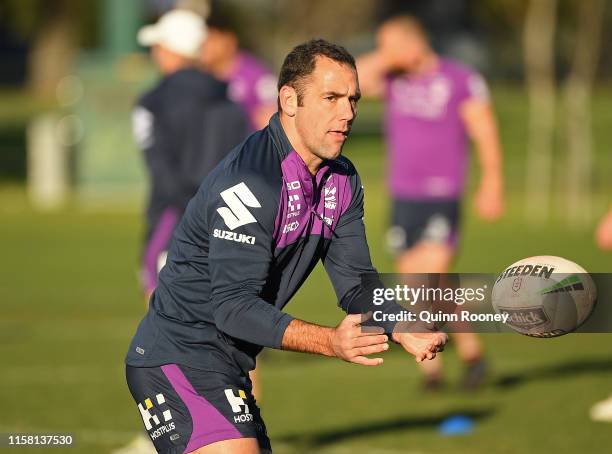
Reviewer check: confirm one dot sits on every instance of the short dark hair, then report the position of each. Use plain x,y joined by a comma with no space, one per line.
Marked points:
301,61
408,23
222,18
225,18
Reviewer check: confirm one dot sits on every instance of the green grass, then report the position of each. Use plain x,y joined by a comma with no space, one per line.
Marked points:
71,302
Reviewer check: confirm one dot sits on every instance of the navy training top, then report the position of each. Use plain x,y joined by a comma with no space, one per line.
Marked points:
249,238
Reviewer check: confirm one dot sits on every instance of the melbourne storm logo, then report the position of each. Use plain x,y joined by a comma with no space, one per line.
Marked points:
329,194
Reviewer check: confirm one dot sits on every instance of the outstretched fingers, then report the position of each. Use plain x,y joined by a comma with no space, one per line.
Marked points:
364,361
353,342
363,341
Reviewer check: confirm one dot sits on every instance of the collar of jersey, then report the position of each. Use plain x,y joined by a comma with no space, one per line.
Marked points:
283,146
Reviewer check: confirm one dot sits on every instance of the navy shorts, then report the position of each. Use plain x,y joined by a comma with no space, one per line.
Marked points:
184,409
413,221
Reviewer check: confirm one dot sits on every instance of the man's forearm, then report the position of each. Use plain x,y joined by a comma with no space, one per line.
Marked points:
488,147
307,337
372,69
481,125
489,152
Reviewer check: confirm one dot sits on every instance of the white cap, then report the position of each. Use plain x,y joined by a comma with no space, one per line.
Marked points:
179,30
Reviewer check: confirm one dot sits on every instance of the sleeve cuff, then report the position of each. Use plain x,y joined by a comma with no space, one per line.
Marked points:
281,327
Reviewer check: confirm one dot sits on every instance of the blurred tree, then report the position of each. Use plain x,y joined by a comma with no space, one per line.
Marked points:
337,21
539,55
54,30
53,49
560,37
577,96
502,23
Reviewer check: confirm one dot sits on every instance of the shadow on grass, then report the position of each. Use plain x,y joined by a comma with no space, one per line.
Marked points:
556,372
306,442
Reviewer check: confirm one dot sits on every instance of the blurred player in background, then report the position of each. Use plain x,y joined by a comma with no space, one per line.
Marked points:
602,411
251,84
184,125
433,105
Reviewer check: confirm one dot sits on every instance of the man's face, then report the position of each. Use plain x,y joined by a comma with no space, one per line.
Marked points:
167,61
403,49
217,45
328,108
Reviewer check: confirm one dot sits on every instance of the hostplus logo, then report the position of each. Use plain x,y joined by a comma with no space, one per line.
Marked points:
294,206
151,417
239,405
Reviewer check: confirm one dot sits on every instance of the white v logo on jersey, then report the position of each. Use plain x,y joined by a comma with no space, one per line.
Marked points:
238,198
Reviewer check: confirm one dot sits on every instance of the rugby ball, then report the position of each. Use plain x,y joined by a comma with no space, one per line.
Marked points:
544,296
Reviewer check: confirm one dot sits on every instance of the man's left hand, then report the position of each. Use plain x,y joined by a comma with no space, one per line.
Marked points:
422,345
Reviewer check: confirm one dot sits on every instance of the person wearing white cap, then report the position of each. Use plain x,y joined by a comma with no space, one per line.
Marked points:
184,126
175,39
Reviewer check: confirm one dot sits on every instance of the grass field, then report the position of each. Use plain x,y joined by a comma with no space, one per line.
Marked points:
71,301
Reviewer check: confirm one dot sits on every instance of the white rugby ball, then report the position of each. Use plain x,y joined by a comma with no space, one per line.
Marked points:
544,296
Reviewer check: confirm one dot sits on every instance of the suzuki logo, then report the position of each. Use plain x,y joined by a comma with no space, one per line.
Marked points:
238,198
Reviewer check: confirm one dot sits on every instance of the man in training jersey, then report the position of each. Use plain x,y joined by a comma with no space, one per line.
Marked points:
251,84
184,125
433,105
277,204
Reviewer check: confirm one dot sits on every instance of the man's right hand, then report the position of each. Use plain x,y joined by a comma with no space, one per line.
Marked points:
352,343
